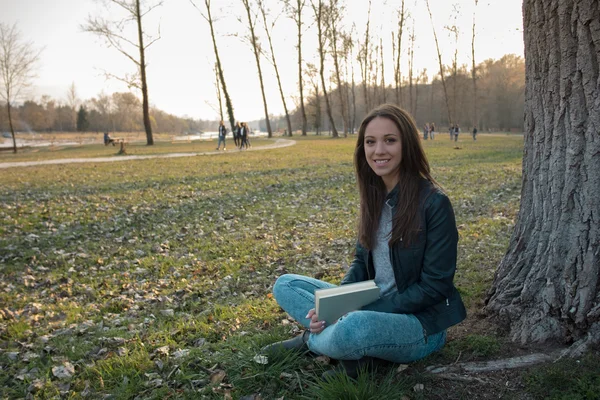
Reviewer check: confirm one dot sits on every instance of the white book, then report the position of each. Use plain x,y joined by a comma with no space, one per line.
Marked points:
332,303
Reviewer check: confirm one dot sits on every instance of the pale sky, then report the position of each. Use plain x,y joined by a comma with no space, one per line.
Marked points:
180,76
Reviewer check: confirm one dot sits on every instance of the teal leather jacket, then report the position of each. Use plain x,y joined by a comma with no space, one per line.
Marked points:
424,271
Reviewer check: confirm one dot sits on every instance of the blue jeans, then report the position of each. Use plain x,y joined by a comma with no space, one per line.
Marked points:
221,140
394,337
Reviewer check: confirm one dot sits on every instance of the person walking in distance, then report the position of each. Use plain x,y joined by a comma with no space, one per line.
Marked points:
432,131
222,134
407,243
456,132
236,135
474,133
244,136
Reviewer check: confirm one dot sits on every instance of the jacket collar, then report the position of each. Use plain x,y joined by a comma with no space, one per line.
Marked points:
392,197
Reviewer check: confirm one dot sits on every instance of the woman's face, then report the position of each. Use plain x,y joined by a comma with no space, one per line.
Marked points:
383,150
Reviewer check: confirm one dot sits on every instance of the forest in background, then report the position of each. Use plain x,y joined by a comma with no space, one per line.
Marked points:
500,100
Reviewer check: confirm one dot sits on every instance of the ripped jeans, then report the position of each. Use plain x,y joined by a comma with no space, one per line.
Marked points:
398,338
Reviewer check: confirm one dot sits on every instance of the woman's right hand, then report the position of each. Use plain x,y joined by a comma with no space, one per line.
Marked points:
315,325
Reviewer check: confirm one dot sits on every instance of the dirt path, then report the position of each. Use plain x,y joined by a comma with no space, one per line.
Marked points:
279,143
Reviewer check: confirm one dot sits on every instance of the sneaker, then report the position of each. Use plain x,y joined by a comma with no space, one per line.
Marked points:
224,148
295,344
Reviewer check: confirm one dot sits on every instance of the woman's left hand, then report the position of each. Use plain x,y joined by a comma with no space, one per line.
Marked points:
315,325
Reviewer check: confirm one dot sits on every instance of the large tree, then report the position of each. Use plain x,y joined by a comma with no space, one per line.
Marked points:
115,33
547,286
17,64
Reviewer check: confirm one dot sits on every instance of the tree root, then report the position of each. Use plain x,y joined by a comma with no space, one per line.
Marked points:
495,365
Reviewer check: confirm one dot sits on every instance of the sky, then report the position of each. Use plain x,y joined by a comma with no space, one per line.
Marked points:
180,64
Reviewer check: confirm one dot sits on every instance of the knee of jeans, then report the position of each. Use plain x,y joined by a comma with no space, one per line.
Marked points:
282,284
351,331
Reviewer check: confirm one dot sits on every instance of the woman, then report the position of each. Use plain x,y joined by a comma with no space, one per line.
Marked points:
237,134
244,136
407,243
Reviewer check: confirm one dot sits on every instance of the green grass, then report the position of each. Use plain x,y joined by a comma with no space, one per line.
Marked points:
124,259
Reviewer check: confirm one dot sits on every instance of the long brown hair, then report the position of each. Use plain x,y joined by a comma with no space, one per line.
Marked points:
413,167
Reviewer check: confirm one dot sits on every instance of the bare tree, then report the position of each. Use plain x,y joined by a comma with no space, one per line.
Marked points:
453,30
268,29
318,9
348,47
334,15
439,54
17,63
73,102
474,73
315,102
411,62
257,50
382,71
364,62
218,87
114,32
547,286
397,74
209,18
295,12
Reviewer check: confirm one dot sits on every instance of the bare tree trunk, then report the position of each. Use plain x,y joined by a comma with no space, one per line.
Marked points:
333,16
145,103
274,62
411,60
318,10
218,86
382,71
12,128
228,104
296,15
397,72
255,47
547,286
365,63
439,54
474,74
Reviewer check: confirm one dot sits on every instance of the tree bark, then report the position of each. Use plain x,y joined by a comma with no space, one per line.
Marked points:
145,103
547,285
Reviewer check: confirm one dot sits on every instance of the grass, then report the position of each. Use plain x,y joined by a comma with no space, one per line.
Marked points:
153,277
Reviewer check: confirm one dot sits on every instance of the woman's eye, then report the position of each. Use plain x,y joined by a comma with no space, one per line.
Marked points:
390,140
369,141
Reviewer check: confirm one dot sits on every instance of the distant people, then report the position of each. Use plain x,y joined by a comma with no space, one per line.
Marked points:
108,140
244,136
456,132
451,131
222,134
426,131
431,130
236,135
474,133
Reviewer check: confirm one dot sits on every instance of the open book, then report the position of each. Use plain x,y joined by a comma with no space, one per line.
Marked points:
332,303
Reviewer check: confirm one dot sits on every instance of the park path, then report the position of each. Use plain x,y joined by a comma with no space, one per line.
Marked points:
279,143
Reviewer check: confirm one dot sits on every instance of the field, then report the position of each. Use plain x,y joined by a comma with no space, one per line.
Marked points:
151,279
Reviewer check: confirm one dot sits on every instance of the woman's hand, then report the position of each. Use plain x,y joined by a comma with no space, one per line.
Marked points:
315,325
